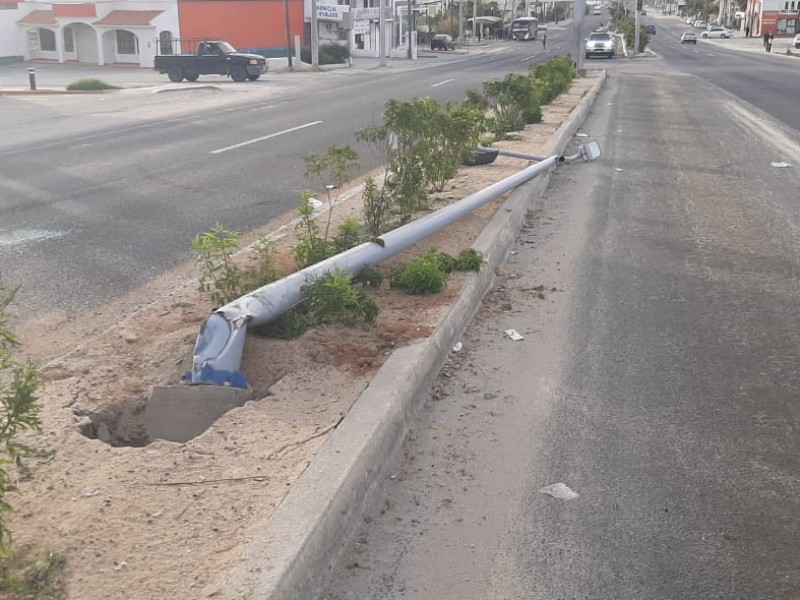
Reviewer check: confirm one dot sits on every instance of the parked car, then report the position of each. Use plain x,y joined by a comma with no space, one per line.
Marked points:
211,58
716,32
651,29
442,41
700,24
600,44
596,11
796,41
688,37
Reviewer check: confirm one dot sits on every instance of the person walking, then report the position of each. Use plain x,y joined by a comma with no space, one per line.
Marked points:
769,42
766,39
747,31
544,41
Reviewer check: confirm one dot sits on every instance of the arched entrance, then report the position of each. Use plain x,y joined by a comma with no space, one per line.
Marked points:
120,46
80,43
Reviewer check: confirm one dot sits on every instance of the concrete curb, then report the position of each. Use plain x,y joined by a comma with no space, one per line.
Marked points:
291,557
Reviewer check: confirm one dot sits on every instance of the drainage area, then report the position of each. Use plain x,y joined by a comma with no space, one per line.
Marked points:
176,413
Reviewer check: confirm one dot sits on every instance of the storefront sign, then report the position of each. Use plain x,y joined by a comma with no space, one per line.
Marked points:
367,13
332,12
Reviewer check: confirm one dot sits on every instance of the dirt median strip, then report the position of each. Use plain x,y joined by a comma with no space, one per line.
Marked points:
290,555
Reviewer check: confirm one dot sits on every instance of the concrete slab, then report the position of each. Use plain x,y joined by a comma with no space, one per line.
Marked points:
181,412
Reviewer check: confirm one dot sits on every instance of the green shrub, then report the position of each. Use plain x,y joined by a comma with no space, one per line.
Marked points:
311,247
369,277
90,84
469,260
328,300
329,54
422,275
221,278
18,413
377,208
350,235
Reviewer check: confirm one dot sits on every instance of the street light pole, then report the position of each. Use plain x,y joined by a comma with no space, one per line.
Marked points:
314,35
381,35
579,10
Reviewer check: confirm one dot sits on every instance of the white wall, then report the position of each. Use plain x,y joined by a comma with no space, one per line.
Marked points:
12,36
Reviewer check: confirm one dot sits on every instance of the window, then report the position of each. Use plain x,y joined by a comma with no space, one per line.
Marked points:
165,42
69,40
126,42
47,40
12,6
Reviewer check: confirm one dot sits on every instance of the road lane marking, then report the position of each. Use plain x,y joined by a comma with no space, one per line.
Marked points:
264,137
442,82
709,54
527,58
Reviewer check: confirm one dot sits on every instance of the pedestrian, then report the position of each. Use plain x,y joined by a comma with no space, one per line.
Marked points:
747,31
544,41
766,39
769,42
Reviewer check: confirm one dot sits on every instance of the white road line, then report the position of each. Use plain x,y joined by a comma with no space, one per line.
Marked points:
264,137
709,54
442,82
23,236
527,58
268,106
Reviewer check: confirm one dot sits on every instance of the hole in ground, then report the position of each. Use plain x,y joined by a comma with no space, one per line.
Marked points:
176,413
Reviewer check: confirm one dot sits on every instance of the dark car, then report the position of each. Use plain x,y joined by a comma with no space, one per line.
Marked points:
442,41
651,29
211,58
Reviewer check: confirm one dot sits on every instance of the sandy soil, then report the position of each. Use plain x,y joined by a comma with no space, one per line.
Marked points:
141,519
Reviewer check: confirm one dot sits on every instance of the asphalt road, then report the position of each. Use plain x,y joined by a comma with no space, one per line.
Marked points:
94,211
768,82
657,380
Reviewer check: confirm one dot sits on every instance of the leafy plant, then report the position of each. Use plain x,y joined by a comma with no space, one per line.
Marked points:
422,275
469,260
507,100
328,300
220,276
351,234
311,247
18,410
329,54
39,579
333,168
369,277
376,209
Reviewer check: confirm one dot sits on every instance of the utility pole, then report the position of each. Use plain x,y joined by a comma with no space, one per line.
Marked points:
410,27
381,35
314,35
579,10
474,20
636,31
288,33
461,21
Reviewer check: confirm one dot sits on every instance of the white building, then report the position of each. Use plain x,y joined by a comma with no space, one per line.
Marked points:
116,31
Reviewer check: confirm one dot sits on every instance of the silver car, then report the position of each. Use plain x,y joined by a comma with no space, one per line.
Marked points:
600,44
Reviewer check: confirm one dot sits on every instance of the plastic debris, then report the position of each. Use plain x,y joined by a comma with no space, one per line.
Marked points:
580,134
780,165
512,333
618,170
316,204
560,491
457,347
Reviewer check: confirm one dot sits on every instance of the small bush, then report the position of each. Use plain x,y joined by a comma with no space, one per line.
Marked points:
423,275
90,84
350,235
329,300
329,54
469,260
369,277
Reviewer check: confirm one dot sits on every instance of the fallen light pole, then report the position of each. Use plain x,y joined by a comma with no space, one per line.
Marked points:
220,344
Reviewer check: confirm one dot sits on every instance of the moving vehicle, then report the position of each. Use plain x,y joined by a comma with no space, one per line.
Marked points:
715,32
212,57
651,29
688,37
596,11
600,44
524,28
442,41
796,41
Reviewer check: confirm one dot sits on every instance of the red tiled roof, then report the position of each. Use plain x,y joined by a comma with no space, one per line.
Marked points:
38,17
129,18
